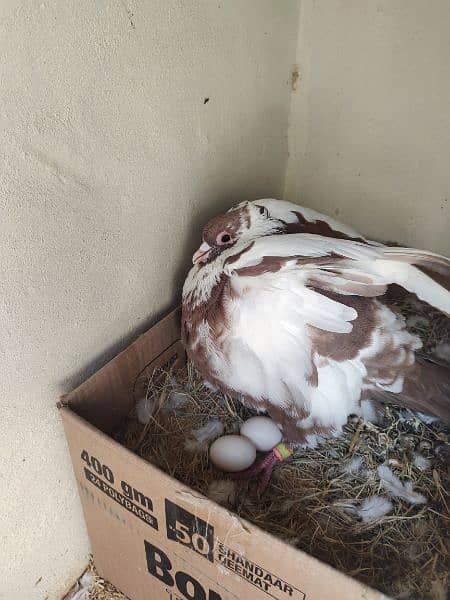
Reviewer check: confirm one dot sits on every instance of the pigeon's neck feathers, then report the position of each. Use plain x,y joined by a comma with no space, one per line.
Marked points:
200,282
202,278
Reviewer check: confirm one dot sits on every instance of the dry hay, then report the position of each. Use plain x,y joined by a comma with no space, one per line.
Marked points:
91,586
404,554
425,321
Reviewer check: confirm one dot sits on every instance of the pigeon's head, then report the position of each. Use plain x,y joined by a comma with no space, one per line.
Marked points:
242,223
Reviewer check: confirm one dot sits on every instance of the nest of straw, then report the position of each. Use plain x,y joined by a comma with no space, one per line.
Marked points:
91,586
403,554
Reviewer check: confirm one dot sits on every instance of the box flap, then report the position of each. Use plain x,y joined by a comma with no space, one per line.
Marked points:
107,397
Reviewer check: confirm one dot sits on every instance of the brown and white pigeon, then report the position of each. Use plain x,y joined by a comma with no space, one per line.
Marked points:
295,326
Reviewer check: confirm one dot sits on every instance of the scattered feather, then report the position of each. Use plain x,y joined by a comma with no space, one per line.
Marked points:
442,351
370,509
145,407
87,579
397,489
223,491
405,415
82,594
209,386
175,401
408,441
408,416
352,466
421,462
426,418
203,435
439,590
293,541
368,474
425,445
82,589
442,452
93,587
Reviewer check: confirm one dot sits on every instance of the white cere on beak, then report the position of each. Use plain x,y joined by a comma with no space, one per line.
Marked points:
202,253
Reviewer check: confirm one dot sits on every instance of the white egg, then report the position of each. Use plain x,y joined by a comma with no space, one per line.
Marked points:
232,453
263,432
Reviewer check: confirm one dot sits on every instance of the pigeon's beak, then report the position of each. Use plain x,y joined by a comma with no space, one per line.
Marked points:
202,253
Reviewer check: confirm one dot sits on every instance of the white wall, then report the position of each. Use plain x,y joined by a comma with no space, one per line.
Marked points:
109,160
369,134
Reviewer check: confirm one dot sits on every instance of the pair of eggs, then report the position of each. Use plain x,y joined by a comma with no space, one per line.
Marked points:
238,452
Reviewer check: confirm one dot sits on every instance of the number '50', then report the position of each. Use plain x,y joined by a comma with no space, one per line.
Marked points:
197,541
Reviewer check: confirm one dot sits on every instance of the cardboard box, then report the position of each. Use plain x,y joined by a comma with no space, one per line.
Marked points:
154,537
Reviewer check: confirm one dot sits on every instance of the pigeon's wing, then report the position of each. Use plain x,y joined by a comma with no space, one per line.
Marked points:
294,298
343,266
276,308
300,219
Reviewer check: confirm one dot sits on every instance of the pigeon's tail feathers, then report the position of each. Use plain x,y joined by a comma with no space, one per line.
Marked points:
420,258
428,290
412,279
426,389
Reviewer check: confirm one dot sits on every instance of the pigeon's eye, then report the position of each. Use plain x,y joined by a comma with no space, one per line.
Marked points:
263,211
223,238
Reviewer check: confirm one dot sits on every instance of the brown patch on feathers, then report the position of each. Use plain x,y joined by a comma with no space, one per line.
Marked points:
269,264
314,429
345,346
329,259
313,377
286,416
317,227
442,279
390,363
426,389
211,313
287,421
351,286
272,264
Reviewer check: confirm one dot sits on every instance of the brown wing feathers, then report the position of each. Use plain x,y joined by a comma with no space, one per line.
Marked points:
426,389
